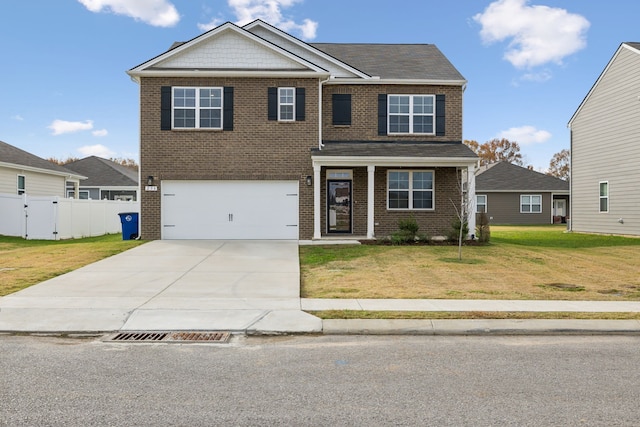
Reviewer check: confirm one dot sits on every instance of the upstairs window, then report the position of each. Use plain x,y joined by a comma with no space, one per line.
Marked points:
286,104
530,203
411,114
197,108
604,196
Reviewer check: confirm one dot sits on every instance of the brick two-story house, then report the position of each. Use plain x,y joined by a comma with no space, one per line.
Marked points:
250,133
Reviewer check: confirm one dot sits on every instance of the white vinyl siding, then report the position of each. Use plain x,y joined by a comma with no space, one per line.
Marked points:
606,147
37,184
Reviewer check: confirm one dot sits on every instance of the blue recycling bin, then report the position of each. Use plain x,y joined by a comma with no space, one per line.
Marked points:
129,221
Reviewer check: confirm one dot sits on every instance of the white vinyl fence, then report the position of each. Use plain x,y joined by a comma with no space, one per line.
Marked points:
55,218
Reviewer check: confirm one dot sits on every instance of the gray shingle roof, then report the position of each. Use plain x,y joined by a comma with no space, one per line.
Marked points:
103,172
394,61
16,156
394,149
504,176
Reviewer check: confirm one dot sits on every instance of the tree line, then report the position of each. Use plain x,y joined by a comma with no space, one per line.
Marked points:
126,162
503,150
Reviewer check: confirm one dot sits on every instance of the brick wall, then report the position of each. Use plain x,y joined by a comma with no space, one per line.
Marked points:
256,148
364,112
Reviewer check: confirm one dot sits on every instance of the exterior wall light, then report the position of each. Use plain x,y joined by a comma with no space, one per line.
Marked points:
309,180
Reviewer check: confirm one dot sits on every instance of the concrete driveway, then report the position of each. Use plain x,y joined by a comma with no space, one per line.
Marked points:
247,286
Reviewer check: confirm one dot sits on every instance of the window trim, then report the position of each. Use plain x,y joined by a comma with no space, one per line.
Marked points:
411,114
601,197
22,190
197,107
410,190
70,194
485,204
531,204
292,104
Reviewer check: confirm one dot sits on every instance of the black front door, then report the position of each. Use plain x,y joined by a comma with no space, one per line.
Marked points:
339,206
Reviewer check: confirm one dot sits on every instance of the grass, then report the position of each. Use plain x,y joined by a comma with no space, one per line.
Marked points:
447,315
535,262
26,262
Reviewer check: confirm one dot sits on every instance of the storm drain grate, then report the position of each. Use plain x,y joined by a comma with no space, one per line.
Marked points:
181,336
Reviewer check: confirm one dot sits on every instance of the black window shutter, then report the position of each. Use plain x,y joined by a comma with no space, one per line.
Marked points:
227,114
272,101
382,114
341,108
165,108
299,104
440,115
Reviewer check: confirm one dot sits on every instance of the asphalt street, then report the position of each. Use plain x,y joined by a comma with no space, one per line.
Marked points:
322,380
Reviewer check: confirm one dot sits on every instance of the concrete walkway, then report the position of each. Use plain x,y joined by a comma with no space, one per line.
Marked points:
250,287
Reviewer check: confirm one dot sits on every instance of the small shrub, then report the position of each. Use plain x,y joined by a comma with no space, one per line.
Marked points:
483,229
454,233
423,237
402,237
409,225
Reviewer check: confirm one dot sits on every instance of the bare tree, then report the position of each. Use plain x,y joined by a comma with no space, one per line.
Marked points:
559,166
497,150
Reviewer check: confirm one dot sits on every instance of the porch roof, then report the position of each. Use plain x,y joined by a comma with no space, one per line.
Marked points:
394,153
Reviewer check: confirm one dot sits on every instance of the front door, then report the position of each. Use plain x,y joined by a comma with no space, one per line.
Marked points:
560,207
339,206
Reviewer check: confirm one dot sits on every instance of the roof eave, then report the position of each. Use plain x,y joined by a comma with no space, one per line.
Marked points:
393,161
136,75
42,170
380,81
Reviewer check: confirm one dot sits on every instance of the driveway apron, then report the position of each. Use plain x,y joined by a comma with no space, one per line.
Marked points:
238,285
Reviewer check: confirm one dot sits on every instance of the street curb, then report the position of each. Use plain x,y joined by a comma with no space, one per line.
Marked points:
479,327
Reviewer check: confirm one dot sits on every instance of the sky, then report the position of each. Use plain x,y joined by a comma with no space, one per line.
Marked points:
64,90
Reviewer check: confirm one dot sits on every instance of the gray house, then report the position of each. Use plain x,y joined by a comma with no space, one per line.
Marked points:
511,194
106,180
25,173
605,150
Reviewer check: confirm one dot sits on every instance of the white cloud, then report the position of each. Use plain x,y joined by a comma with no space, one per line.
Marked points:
159,13
60,127
101,132
525,135
540,77
17,117
98,150
269,11
537,34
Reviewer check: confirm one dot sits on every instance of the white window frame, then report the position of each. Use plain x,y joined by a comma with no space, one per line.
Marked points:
197,108
411,114
530,204
603,197
283,104
410,190
484,196
22,190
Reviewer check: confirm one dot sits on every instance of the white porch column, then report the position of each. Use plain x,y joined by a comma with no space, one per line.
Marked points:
471,198
370,201
316,201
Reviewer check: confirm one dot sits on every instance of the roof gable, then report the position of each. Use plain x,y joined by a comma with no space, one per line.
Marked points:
504,176
335,66
628,47
103,172
226,49
10,155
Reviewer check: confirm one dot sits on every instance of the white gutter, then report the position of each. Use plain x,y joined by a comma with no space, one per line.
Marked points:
392,161
349,81
226,73
41,170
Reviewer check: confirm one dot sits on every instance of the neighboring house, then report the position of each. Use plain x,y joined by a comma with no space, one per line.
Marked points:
25,173
106,180
511,194
248,132
605,150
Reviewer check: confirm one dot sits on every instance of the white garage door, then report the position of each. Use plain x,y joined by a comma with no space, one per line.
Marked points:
230,210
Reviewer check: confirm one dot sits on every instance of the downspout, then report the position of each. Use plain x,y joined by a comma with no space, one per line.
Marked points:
322,82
